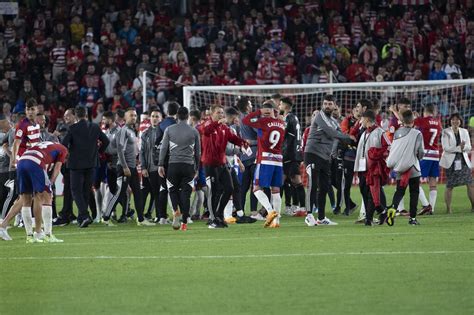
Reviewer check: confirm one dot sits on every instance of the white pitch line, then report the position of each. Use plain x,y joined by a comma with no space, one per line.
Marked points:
239,256
233,239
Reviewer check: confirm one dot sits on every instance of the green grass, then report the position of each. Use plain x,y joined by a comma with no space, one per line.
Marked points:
348,269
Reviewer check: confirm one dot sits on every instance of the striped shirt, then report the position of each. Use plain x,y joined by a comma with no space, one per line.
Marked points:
58,56
28,133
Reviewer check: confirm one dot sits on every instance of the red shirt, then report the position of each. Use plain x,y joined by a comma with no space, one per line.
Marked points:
28,133
270,135
214,138
46,154
430,128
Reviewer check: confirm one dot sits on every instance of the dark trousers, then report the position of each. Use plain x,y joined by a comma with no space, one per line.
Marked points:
368,198
153,184
81,187
180,178
348,177
162,205
122,184
414,184
66,212
319,179
220,187
237,192
247,185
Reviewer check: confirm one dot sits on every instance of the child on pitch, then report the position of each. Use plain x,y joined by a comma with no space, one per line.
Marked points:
404,158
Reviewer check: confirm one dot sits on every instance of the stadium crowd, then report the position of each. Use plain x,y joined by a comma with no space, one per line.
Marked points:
72,62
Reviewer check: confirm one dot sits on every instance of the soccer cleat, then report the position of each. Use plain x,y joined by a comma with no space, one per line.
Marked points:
4,235
122,219
164,221
35,238
270,217
426,210
245,219
391,213
403,213
274,225
413,221
360,220
289,210
310,220
300,212
107,222
230,220
183,227
258,217
176,220
145,223
85,223
60,222
325,221
52,239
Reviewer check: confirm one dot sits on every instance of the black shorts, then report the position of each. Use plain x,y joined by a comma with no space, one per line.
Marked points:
291,168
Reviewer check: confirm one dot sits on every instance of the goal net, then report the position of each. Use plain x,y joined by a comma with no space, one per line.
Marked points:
448,96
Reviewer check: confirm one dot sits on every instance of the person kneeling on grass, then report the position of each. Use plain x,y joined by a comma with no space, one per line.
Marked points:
406,151
35,187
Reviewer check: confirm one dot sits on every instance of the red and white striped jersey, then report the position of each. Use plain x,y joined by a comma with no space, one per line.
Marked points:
163,83
46,154
28,133
430,128
213,59
58,56
344,38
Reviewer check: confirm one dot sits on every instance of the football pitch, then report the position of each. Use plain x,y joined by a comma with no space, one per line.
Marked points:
246,269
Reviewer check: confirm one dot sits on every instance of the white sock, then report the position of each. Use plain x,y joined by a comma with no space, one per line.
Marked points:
240,213
263,199
27,220
401,205
276,202
362,210
423,200
47,215
433,196
228,209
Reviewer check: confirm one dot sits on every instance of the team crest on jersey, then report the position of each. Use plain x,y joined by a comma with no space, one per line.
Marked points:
19,133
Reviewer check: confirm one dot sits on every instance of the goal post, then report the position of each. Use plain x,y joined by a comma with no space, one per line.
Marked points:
449,96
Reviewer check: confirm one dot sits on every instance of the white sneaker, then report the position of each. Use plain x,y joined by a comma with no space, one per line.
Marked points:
190,221
164,221
145,222
107,222
326,221
4,235
97,219
289,210
310,220
258,217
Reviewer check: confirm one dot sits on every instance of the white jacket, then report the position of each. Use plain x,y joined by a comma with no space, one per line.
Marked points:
448,141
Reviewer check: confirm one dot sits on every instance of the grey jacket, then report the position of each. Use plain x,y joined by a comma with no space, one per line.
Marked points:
406,151
181,143
127,147
324,131
148,151
367,141
111,149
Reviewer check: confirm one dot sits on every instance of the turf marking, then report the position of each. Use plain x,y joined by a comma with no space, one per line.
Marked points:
173,257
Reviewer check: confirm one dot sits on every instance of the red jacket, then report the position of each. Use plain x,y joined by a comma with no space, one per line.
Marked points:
214,138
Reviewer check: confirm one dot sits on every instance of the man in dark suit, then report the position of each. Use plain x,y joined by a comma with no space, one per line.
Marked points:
84,141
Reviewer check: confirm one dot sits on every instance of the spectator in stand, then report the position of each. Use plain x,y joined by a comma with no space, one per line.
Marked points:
307,66
325,49
268,70
437,73
356,72
452,70
128,32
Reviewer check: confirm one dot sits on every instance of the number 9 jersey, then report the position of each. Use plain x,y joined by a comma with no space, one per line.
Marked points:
270,135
